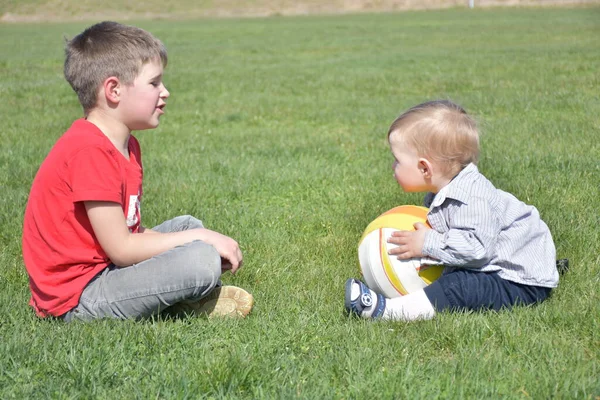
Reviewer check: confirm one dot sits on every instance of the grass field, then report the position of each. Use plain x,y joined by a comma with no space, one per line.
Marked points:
275,134
85,10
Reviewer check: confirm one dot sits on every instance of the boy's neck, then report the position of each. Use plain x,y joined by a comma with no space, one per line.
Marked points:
114,130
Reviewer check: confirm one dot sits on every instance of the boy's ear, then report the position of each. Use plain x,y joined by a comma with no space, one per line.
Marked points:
111,88
425,167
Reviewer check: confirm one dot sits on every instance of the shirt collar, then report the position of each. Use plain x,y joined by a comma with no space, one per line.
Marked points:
455,189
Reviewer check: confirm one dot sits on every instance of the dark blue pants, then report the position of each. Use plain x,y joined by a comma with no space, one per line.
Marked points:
463,290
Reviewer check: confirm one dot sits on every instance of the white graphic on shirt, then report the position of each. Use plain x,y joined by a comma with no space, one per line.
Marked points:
133,212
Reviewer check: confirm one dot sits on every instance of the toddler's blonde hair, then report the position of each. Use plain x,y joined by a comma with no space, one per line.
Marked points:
108,49
441,131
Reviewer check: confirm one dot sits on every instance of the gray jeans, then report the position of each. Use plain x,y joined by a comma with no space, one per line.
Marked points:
184,273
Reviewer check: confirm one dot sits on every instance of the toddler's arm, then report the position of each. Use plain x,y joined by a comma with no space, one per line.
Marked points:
471,237
125,248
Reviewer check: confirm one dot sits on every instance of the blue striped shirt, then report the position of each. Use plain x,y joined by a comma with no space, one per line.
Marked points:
478,226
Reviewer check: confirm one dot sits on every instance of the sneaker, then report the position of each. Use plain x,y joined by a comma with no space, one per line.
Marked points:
562,265
362,301
223,301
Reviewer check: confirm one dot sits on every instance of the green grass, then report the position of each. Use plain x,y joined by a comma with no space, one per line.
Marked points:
84,10
275,135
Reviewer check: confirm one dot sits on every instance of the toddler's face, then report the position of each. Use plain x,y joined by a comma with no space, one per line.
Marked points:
407,167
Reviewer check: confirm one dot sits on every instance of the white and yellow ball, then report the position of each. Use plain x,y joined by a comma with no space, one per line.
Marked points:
384,273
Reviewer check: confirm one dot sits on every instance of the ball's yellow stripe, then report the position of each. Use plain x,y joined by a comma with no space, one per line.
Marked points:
431,273
396,221
416,211
402,219
387,266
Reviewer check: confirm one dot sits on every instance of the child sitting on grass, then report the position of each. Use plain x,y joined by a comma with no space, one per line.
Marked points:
86,251
497,251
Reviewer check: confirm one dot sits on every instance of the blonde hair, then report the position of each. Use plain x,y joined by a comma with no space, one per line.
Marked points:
441,131
108,49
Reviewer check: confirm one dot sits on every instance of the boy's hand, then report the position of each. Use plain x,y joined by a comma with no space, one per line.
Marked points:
225,265
410,243
231,255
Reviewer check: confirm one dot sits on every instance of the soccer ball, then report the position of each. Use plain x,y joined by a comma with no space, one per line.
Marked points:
384,273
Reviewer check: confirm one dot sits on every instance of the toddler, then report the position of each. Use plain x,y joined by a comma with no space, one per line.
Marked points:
496,250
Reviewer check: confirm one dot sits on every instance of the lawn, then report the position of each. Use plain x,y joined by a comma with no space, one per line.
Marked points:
275,134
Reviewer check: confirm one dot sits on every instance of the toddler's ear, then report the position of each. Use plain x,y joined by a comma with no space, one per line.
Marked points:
425,167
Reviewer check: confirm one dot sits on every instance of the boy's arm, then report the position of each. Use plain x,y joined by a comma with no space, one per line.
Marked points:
143,229
125,248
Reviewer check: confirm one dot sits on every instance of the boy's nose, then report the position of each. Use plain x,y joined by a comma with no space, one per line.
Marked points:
165,93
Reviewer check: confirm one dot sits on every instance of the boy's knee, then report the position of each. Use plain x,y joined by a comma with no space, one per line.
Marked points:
203,259
189,222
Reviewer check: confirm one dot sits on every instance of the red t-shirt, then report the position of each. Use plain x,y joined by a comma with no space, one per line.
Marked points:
60,250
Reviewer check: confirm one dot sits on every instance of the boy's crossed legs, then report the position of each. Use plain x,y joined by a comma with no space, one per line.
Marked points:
185,279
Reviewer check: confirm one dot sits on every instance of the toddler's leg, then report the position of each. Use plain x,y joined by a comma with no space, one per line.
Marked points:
468,290
458,290
411,307
366,303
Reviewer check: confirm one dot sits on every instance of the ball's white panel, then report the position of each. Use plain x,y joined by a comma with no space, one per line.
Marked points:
368,257
383,281
371,261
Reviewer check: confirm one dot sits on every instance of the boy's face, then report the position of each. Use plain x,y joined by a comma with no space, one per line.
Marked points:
410,170
142,103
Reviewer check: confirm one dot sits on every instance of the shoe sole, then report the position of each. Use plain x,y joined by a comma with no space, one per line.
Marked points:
225,301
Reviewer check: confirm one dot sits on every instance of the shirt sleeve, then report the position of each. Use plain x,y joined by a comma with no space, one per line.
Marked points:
95,175
471,237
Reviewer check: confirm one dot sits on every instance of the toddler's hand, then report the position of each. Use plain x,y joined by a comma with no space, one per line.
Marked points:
410,243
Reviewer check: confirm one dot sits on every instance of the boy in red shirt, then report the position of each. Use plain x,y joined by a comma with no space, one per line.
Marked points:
86,251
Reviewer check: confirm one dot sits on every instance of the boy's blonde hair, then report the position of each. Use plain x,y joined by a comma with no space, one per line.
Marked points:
108,49
441,131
